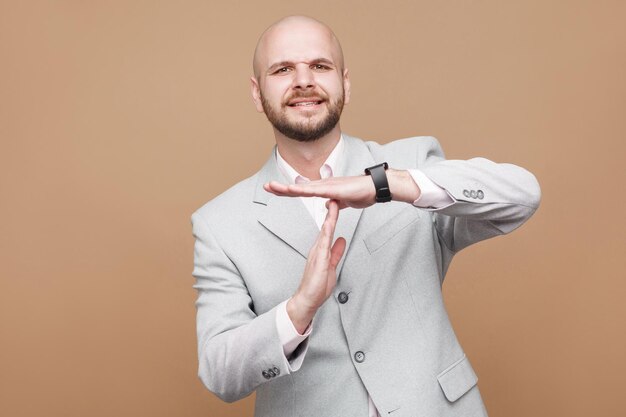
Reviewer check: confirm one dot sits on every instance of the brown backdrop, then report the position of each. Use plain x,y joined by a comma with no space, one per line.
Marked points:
118,119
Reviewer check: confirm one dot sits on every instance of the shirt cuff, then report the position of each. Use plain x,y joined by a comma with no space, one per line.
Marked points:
289,336
431,196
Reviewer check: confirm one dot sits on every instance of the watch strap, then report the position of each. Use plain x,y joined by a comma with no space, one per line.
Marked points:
379,176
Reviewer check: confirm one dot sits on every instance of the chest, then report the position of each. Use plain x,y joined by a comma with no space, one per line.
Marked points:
386,242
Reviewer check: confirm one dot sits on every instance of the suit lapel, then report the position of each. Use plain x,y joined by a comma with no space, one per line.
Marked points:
285,217
288,218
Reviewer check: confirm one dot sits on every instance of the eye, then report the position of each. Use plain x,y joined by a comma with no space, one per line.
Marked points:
282,70
320,67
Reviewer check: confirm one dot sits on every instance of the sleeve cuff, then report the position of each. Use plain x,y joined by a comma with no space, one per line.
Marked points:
289,337
431,196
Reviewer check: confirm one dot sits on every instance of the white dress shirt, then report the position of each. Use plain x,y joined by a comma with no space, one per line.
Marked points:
431,196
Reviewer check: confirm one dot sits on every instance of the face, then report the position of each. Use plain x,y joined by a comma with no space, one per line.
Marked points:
301,87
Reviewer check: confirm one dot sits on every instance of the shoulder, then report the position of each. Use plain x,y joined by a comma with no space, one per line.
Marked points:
232,203
405,153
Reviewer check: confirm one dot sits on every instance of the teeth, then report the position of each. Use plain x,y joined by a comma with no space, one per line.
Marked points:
306,103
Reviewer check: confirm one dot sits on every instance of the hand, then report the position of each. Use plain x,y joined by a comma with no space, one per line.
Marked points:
320,273
357,192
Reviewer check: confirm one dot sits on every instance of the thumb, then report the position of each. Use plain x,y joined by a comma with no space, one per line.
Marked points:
336,252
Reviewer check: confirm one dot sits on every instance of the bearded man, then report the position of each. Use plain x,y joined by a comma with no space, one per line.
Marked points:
353,326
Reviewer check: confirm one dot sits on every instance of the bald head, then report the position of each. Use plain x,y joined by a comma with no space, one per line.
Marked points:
280,39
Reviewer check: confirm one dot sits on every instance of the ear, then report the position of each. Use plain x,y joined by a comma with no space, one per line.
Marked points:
256,94
346,86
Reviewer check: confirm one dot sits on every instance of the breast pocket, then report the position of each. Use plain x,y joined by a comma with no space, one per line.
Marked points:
391,228
457,379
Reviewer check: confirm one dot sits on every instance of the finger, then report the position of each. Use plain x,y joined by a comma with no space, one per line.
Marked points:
342,204
328,228
336,252
327,188
270,189
275,187
285,190
311,190
333,211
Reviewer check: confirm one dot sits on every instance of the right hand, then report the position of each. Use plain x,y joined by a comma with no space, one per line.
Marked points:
320,272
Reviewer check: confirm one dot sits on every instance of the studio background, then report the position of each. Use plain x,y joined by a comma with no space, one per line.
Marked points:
119,118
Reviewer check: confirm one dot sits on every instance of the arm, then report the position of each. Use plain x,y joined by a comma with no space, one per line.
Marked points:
489,199
291,339
238,350
235,346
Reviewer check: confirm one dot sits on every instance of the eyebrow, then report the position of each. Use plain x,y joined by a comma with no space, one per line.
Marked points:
290,63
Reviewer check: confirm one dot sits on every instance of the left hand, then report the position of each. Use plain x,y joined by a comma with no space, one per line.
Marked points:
357,192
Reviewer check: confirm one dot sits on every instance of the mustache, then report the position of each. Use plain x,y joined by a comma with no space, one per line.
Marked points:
307,94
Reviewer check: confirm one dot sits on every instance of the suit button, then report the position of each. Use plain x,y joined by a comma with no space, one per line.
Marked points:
271,373
473,193
466,193
276,370
266,375
480,194
343,297
359,357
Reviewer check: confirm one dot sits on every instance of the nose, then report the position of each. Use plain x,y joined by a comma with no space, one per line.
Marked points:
304,78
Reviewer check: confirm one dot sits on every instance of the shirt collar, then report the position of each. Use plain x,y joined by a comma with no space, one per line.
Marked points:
328,169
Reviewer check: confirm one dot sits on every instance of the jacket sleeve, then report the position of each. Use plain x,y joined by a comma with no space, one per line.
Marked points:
238,350
491,198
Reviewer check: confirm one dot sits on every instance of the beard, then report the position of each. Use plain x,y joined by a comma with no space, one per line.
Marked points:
304,130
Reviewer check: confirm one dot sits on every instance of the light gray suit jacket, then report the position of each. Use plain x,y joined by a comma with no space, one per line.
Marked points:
392,338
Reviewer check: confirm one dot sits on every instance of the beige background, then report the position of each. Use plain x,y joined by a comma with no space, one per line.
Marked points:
119,119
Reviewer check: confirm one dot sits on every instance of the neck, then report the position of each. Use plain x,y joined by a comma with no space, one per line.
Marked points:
307,157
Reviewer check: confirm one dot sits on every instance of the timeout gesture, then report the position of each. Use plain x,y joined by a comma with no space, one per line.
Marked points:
356,191
320,273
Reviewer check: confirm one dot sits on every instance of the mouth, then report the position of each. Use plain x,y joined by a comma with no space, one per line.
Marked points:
305,102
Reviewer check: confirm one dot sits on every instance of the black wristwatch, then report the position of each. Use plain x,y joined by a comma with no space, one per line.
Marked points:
379,176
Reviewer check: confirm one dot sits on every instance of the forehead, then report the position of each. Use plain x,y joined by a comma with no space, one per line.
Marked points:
298,44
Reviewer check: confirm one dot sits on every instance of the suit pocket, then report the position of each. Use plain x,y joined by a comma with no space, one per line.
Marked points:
389,229
457,379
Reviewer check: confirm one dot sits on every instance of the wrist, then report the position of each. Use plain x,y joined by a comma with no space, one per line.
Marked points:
299,315
402,186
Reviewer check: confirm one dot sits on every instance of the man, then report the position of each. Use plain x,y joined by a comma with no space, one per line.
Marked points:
355,326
